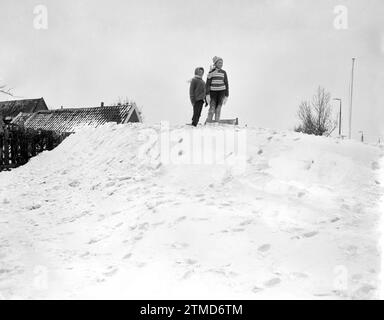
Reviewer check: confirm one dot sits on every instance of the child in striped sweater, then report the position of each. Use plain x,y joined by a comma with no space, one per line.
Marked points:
217,89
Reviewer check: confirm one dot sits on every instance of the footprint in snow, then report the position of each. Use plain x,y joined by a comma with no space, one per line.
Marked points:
111,271
33,207
74,183
141,264
85,254
351,250
200,219
127,256
101,217
364,291
299,275
92,241
305,235
345,207
264,248
180,219
225,204
155,224
246,222
309,164
190,261
138,237
310,234
125,178
118,225
257,289
188,274
323,294
375,166
272,282
179,245
223,272
143,226
133,227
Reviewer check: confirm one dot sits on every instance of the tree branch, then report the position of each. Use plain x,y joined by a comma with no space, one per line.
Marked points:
4,90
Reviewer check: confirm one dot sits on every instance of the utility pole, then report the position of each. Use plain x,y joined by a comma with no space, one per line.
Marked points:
338,99
351,97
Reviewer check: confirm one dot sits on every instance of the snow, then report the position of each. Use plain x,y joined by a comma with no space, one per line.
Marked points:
104,216
381,244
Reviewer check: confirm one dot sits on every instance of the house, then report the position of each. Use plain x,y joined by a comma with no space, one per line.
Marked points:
10,109
69,120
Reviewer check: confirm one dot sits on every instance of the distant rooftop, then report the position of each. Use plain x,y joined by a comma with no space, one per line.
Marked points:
72,119
12,108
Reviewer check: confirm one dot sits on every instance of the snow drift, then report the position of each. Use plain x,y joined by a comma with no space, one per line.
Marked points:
102,216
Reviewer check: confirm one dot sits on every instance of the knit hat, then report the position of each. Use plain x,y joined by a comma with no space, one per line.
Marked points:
216,59
198,69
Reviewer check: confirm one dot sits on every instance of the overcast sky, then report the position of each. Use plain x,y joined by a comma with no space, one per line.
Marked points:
276,54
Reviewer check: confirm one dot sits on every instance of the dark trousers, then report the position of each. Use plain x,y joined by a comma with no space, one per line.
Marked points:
217,98
197,107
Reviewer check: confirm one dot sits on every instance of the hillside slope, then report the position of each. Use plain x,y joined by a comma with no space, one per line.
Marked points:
102,216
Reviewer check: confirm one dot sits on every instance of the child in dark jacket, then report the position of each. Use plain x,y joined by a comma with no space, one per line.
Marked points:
197,94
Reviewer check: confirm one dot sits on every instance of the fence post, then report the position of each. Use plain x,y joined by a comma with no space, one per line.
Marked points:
6,146
18,145
1,146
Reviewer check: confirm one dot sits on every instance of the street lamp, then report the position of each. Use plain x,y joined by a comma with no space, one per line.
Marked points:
362,136
351,98
338,99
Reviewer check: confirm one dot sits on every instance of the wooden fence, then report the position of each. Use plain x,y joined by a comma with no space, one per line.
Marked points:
18,145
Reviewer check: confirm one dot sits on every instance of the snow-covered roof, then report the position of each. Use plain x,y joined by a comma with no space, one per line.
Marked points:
73,119
12,108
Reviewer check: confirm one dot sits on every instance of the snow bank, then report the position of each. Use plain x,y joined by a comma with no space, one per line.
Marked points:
381,208
104,216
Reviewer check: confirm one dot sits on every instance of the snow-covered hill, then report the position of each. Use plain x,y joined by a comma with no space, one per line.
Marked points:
102,216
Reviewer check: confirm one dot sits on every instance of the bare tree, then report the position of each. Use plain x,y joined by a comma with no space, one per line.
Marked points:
316,115
126,101
5,90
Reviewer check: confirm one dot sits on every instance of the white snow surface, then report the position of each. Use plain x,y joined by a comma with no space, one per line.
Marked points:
94,218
